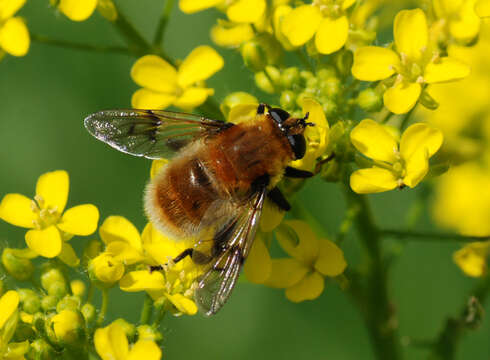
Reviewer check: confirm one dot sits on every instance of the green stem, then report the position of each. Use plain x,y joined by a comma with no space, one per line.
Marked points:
162,24
377,308
103,308
147,310
445,347
162,311
137,44
86,47
421,236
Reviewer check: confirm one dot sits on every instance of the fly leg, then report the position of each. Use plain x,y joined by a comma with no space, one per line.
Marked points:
277,197
297,173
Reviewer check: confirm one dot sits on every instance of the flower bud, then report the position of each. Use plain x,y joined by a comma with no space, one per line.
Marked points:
290,77
49,302
88,312
326,72
330,87
69,302
19,268
146,332
52,276
263,82
107,9
67,326
57,289
30,301
41,350
91,250
370,100
128,328
331,171
105,269
288,99
261,51
236,98
343,61
77,287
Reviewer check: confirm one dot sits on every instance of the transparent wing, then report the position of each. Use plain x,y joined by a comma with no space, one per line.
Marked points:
153,134
215,285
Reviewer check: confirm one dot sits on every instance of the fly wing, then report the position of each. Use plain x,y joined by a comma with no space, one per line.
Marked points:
215,285
153,134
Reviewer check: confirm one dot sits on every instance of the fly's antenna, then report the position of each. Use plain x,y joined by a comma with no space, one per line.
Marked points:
303,120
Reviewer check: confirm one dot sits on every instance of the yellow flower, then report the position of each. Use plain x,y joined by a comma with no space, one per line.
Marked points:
105,268
51,228
462,200
414,63
14,36
316,136
457,18
111,343
176,281
325,19
163,85
77,10
472,259
394,165
9,317
229,34
67,326
311,260
238,11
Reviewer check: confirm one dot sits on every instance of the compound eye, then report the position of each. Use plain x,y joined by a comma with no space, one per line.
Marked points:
279,115
298,144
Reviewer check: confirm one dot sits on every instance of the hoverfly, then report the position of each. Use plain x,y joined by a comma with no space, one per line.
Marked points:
219,177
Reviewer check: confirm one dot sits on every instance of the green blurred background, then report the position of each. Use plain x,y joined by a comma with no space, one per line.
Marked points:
44,98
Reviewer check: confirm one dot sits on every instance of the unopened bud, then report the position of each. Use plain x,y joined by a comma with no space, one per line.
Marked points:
128,328
41,350
19,268
290,77
91,250
146,332
49,302
30,301
236,98
370,100
107,9
264,83
105,269
330,87
51,276
343,62
288,99
77,287
88,312
331,171
69,302
67,326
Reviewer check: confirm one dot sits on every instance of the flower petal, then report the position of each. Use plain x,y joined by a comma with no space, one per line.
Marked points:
123,252
298,240
374,141
14,37
156,166
183,304
482,8
309,288
258,265
80,220
46,242
145,349
246,11
301,24
192,6
77,10
193,97
472,258
199,65
111,342
271,216
9,7
16,210
242,113
53,187
411,33
416,167
420,136
68,255
142,280
372,63
372,180
316,136
149,99
331,261
154,73
324,41
118,228
286,273
402,97
466,25
8,303
447,69
231,35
